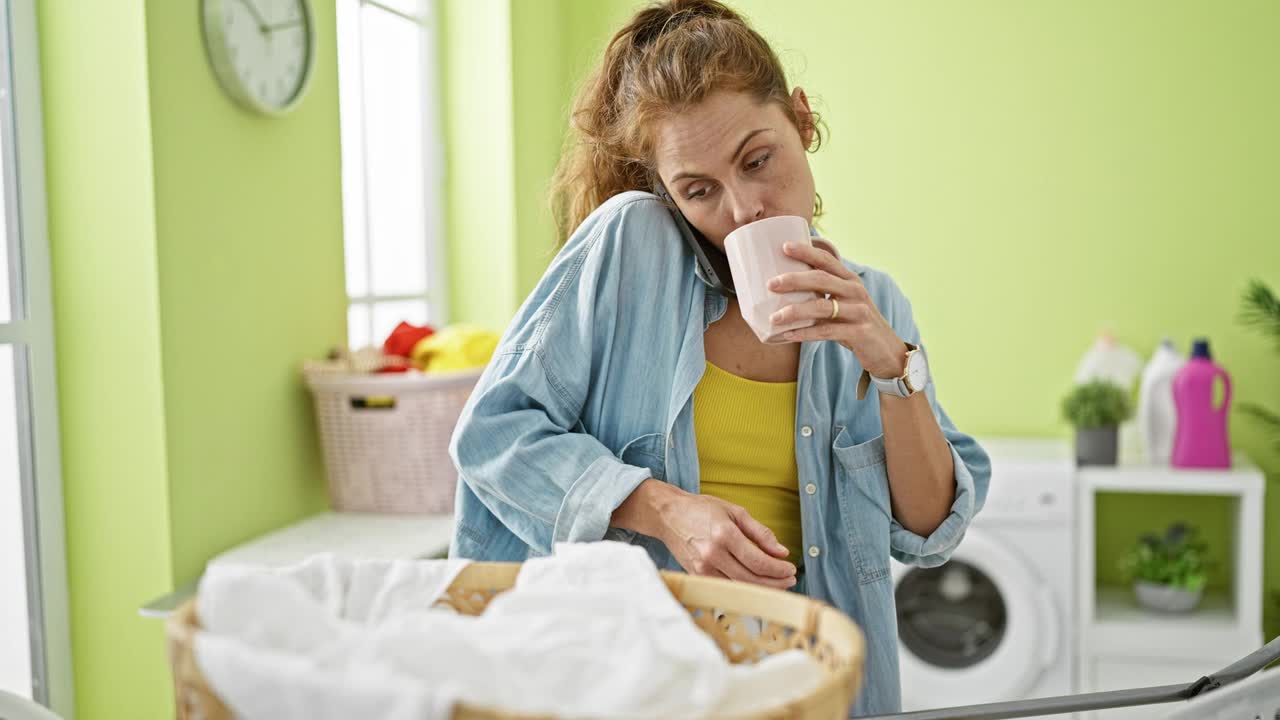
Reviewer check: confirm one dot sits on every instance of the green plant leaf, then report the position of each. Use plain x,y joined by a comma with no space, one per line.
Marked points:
1262,415
1096,404
1262,310
1177,557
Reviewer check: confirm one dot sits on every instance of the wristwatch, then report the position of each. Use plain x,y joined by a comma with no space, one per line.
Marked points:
913,379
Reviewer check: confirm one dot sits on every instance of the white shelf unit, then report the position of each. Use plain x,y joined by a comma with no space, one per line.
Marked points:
1119,644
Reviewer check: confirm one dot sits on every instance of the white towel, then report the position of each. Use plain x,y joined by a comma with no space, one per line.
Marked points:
278,643
589,632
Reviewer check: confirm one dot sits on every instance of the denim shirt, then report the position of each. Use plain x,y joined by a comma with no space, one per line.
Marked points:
590,393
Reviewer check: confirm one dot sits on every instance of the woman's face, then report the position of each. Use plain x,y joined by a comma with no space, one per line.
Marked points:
729,161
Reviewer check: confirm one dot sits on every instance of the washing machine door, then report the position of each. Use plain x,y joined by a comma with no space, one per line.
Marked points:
981,628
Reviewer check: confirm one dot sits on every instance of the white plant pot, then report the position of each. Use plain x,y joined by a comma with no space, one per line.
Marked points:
1165,598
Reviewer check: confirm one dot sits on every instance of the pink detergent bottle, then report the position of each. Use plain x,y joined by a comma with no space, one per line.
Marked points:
1201,438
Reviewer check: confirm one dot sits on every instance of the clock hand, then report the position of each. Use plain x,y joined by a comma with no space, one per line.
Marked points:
282,26
257,17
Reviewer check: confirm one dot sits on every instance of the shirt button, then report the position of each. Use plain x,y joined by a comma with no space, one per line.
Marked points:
806,431
810,488
813,551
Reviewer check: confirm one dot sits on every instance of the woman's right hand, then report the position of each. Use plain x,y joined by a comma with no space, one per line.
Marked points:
709,536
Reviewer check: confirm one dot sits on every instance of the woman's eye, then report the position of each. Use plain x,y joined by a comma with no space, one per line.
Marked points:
696,194
759,162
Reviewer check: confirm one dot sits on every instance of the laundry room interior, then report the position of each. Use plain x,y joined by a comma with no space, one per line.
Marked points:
214,294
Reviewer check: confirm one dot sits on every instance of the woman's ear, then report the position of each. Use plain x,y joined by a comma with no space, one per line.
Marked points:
804,116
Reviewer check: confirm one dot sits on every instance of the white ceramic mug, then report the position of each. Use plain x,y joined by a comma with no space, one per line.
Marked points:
756,257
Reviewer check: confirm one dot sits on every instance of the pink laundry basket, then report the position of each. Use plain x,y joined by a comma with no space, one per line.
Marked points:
386,438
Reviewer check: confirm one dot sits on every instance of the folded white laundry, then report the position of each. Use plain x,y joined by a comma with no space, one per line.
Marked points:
589,632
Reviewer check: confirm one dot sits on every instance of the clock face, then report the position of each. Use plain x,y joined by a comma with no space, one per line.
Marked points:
917,370
262,50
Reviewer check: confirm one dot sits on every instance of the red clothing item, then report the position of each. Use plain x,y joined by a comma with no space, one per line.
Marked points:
401,340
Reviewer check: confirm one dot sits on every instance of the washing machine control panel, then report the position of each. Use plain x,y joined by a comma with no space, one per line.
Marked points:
1028,491
1046,506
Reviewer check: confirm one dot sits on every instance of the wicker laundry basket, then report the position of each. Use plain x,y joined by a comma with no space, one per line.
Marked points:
725,610
386,438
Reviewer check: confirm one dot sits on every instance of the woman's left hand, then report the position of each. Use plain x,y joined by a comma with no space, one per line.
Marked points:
858,325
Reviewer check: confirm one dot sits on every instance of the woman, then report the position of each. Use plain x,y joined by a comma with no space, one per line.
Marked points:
629,400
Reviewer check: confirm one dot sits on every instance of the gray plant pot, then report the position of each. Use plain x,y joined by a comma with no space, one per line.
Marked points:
1096,446
1165,598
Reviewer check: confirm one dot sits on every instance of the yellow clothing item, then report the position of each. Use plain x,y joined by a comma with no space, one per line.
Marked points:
456,347
747,449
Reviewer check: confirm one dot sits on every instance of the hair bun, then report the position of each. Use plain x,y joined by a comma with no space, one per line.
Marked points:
659,19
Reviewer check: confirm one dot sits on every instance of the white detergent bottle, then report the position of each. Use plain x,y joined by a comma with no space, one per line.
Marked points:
1119,365
1157,415
1111,361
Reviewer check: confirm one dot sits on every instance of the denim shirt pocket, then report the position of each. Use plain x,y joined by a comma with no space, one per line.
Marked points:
647,451
862,484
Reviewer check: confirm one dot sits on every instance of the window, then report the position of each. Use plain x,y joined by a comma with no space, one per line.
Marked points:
391,166
35,653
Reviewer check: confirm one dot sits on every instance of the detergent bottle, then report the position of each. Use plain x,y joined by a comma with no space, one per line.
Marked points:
1157,415
1201,437
1111,361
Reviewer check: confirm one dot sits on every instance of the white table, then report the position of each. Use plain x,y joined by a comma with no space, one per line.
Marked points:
357,535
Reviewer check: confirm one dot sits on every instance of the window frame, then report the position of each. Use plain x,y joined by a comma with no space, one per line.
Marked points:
351,100
31,325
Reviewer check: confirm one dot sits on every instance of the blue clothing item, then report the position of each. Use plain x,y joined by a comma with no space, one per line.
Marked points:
590,393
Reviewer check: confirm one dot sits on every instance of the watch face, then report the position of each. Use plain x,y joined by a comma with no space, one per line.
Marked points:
917,370
261,49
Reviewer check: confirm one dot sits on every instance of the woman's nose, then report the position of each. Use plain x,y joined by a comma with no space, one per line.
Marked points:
747,208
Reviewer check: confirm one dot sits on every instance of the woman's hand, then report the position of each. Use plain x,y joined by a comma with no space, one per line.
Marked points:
858,325
706,535
709,536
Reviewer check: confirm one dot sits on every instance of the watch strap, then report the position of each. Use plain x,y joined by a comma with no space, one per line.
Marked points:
891,386
896,386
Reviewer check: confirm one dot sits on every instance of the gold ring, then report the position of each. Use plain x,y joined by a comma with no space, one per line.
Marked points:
835,308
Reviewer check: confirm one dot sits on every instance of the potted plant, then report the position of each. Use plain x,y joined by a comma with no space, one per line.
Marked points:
1096,409
1168,573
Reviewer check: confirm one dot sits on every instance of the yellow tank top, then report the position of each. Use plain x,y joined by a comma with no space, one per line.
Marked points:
747,449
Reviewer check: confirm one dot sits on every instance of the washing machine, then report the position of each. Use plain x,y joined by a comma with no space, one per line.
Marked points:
995,622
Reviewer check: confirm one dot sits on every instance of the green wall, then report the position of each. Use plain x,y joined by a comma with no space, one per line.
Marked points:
508,68
479,126
1031,174
540,85
197,260
249,228
103,243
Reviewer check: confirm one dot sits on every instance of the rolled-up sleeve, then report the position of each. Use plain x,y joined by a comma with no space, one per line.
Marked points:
972,475
514,448
972,468
519,444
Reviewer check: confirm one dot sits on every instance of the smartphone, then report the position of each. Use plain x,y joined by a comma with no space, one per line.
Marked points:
712,265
